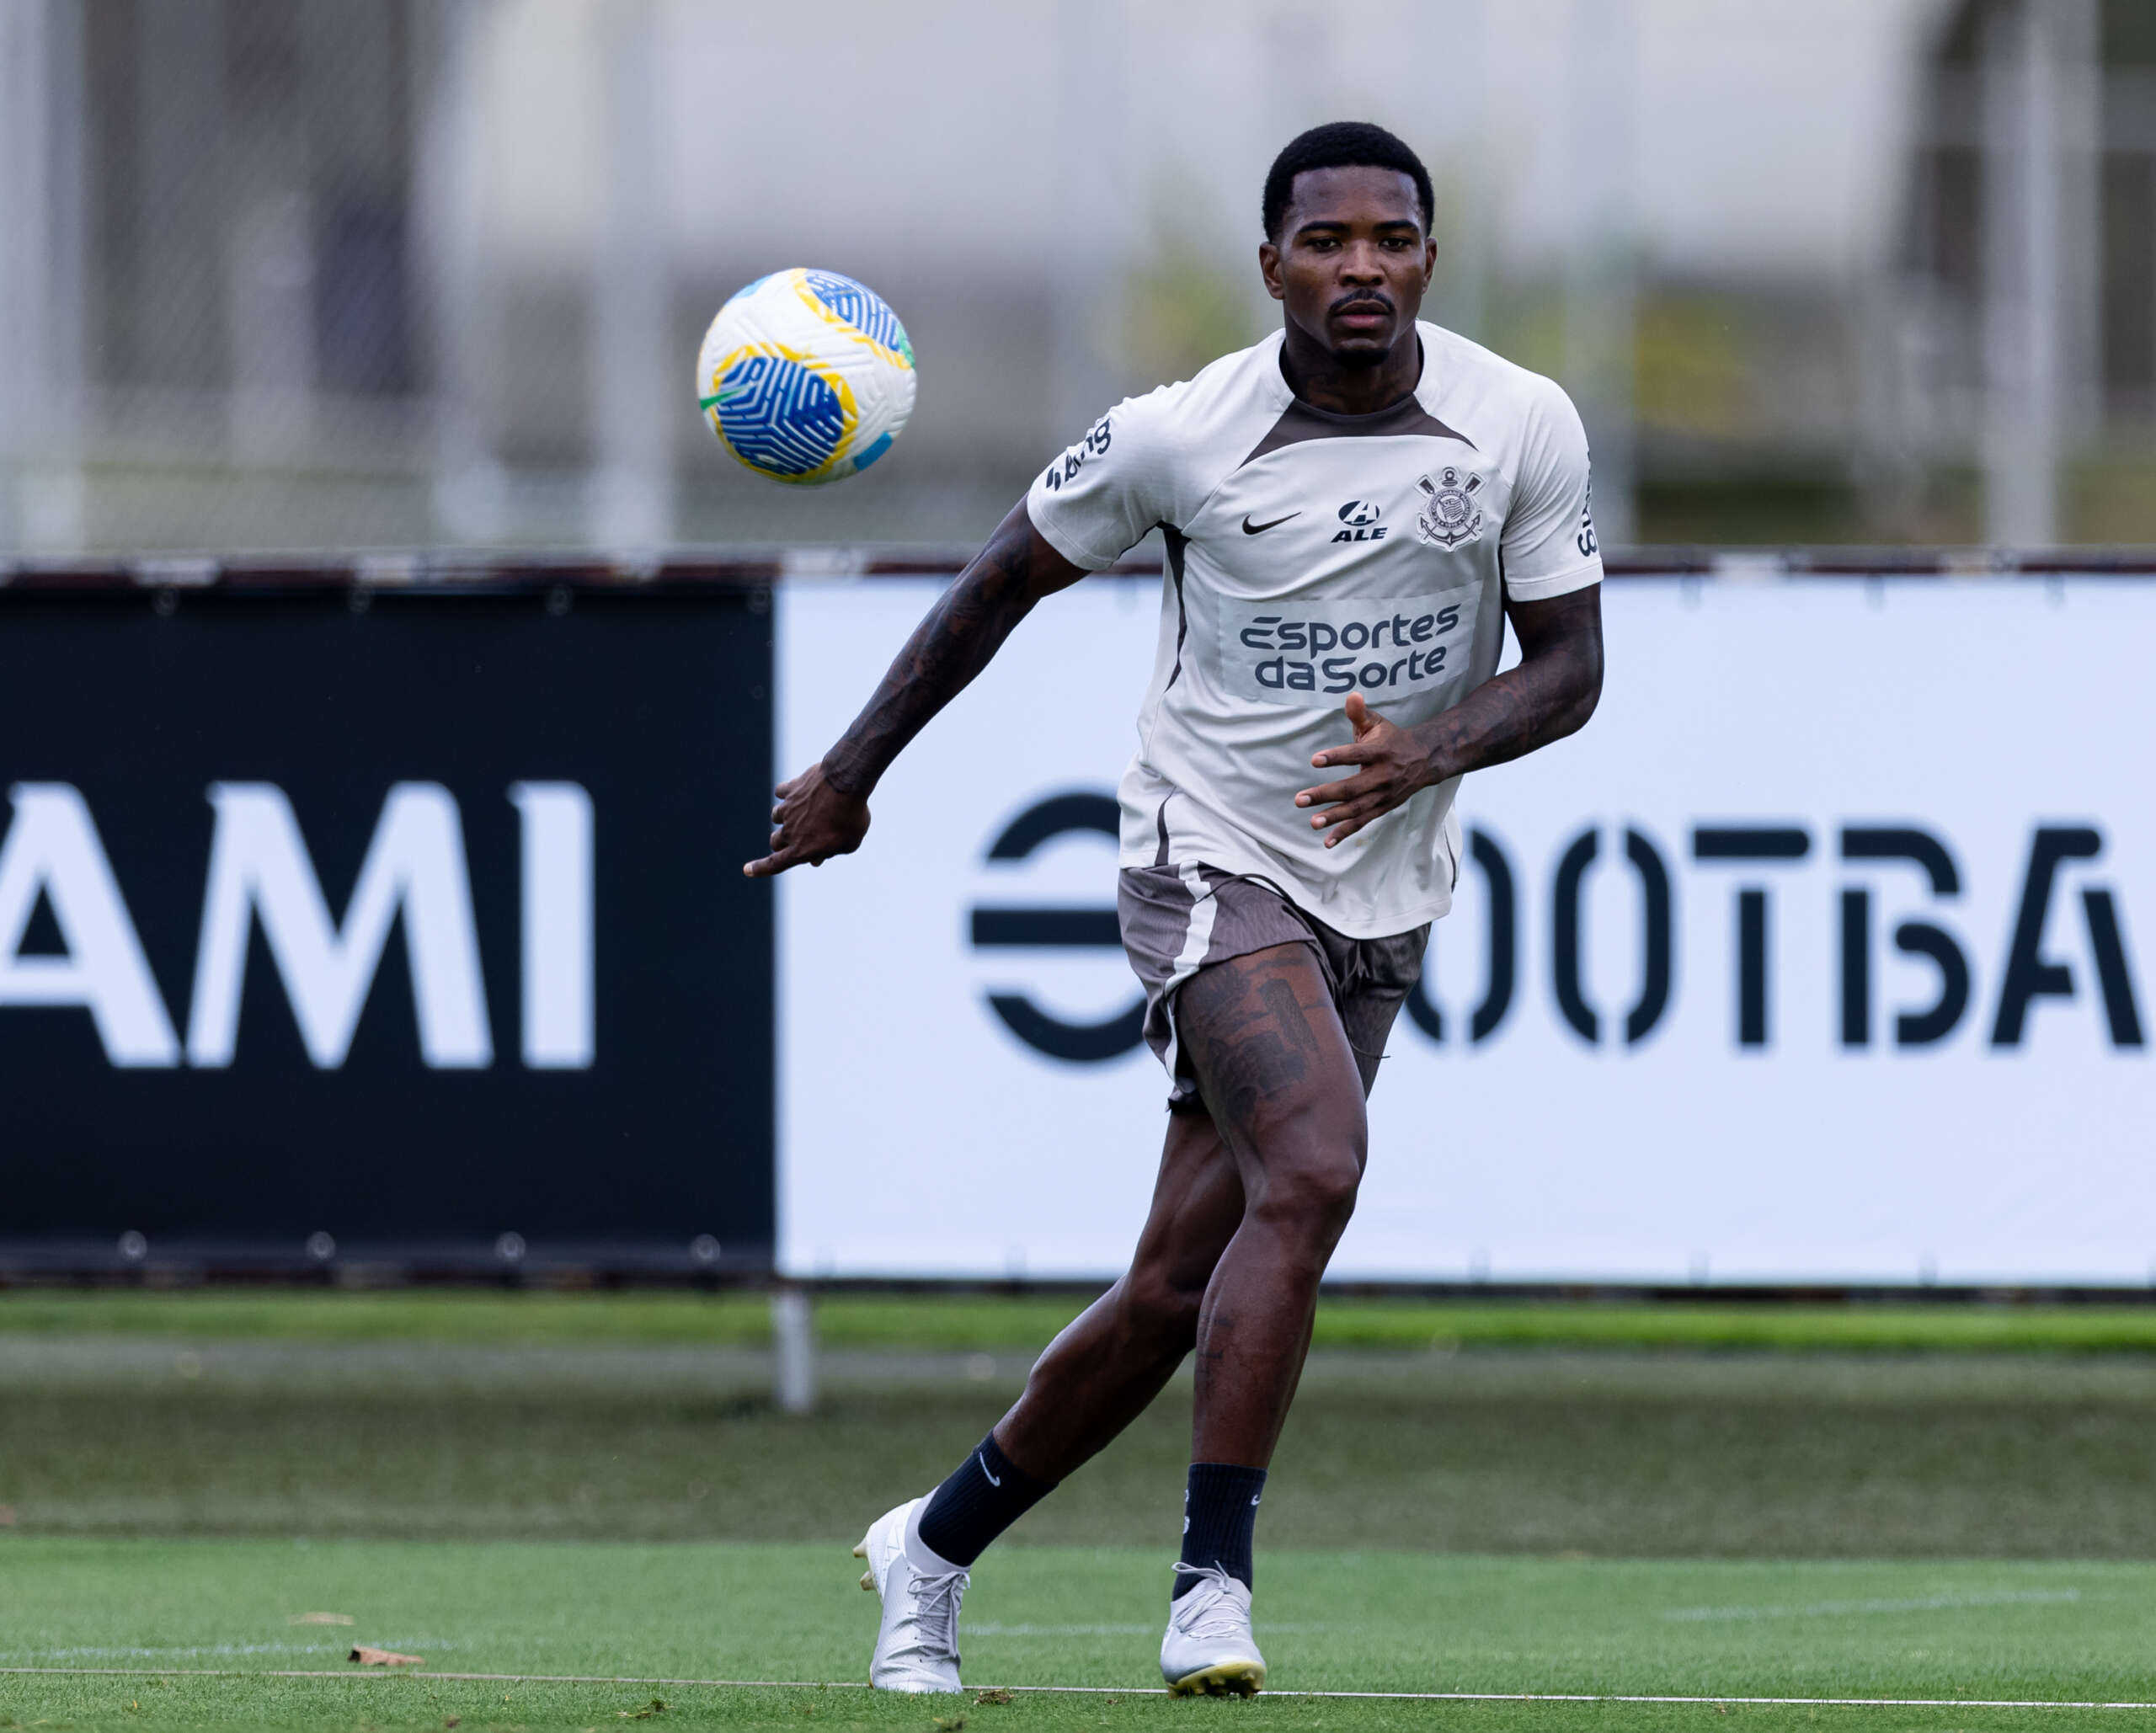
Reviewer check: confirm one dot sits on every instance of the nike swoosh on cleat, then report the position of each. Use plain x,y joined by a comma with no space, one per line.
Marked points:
1251,529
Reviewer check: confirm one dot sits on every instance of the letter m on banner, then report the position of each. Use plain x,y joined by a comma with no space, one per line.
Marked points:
260,869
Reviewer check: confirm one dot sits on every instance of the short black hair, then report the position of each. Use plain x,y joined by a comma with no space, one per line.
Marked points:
1343,144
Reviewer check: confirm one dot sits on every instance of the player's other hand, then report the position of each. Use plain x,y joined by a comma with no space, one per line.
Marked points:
1394,766
811,821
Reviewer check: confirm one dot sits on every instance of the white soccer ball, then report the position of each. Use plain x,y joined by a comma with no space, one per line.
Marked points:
806,376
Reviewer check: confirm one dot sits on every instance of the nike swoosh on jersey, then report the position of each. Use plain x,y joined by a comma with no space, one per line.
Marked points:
1251,529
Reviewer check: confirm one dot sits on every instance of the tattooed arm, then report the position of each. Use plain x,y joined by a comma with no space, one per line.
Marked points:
1549,695
825,810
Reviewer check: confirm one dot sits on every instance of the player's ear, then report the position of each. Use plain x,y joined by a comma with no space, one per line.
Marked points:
1268,267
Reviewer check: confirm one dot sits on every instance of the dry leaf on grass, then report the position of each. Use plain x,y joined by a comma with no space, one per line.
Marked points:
384,1657
998,1695
322,1618
655,1708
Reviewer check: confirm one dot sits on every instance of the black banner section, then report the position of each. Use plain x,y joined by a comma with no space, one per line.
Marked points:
340,924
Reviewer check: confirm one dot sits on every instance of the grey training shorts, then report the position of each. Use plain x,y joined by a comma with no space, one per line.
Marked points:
1178,920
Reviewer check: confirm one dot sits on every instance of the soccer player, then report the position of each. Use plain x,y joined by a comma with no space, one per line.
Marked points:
1352,508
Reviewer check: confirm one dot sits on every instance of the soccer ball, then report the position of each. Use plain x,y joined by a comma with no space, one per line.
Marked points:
806,376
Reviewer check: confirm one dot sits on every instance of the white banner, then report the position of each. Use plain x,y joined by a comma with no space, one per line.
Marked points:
1822,954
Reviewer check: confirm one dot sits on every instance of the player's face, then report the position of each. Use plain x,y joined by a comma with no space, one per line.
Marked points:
1353,262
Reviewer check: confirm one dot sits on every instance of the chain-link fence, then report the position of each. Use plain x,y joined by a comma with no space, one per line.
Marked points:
313,273
232,330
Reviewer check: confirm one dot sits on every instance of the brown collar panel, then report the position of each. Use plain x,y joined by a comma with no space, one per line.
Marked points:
1303,421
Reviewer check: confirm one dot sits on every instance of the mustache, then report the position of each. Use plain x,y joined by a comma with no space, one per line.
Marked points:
1360,298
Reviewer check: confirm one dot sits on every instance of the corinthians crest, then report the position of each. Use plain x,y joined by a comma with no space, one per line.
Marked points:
1452,512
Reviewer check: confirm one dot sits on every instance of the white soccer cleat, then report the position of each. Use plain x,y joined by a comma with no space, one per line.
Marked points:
917,1645
1209,1649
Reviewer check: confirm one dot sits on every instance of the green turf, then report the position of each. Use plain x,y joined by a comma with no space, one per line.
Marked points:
1330,1621
1613,1454
572,1483
986,1322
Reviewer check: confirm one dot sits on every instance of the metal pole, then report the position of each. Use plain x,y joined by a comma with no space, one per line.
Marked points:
1599,293
461,324
2078,56
1091,190
1456,36
42,288
21,54
643,391
793,1350
2022,298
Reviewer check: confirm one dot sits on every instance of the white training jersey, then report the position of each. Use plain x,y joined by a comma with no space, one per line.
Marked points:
1311,555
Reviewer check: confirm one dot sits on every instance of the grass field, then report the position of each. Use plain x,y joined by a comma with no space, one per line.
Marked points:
963,1322
1622,1504
1042,1616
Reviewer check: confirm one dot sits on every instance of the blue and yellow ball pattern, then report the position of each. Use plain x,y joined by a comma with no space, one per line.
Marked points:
806,376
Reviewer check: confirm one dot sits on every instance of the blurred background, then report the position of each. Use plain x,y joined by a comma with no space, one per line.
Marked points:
300,274
1768,1307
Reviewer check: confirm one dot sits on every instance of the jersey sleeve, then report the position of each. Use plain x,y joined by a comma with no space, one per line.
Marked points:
1107,492
1549,542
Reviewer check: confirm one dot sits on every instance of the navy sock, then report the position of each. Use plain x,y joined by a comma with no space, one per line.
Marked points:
984,1495
1219,1517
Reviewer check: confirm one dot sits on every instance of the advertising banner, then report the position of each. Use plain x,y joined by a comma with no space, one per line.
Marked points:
1822,954
335,926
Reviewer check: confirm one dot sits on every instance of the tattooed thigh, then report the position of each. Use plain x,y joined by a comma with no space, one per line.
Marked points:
1265,1040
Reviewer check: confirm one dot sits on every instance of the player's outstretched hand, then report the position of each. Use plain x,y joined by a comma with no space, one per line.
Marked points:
1394,766
811,821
